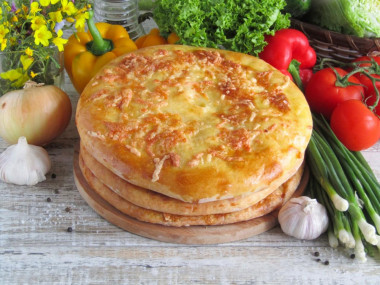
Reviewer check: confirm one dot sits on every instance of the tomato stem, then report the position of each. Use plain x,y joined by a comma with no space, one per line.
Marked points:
342,81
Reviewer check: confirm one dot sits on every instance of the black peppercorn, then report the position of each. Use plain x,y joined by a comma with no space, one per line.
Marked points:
352,255
53,175
326,262
68,209
48,200
316,253
69,229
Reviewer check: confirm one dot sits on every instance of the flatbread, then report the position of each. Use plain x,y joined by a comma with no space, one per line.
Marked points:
270,203
158,202
195,124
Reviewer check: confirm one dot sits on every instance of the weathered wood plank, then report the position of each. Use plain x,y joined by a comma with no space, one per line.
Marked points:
182,265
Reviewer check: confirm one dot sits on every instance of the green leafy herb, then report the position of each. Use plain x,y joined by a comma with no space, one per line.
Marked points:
238,25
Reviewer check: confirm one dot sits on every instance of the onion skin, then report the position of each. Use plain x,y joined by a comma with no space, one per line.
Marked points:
39,113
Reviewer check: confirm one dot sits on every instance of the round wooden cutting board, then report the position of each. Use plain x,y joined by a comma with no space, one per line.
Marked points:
182,235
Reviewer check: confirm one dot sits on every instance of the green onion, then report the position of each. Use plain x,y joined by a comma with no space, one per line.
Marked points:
345,184
315,162
359,247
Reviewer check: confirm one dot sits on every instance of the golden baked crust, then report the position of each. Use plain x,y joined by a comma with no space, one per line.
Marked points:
155,201
270,203
195,124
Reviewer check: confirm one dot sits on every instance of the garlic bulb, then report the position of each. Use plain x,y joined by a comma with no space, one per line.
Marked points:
303,218
24,164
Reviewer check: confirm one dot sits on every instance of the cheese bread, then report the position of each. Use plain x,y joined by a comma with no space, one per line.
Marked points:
195,124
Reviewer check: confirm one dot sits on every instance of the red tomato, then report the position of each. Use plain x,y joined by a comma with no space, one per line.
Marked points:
368,85
370,100
323,95
355,125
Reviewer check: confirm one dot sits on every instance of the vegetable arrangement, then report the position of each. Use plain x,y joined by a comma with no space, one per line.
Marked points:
341,179
348,96
345,184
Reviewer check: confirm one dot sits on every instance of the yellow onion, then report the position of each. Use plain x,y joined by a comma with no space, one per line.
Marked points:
38,112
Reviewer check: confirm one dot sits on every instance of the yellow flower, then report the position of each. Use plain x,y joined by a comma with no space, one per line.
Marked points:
15,75
38,22
42,36
48,2
29,51
81,21
14,19
68,7
70,19
34,8
32,74
3,43
58,41
3,31
12,74
26,61
45,3
56,16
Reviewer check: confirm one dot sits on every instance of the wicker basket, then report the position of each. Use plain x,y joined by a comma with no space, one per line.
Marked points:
328,44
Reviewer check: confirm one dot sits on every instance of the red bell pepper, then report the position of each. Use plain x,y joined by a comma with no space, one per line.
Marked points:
287,45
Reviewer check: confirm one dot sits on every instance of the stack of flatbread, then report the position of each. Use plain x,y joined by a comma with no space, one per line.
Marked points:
181,136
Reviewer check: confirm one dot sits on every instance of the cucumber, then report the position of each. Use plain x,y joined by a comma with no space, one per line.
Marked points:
297,8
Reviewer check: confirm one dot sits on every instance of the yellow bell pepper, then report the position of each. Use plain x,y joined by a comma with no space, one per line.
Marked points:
86,52
152,39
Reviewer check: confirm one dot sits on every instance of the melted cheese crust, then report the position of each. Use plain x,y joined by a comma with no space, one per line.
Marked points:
195,124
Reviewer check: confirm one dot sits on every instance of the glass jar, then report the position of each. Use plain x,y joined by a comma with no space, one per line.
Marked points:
120,12
43,66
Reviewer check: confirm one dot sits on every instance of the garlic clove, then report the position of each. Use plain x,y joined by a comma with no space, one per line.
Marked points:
24,164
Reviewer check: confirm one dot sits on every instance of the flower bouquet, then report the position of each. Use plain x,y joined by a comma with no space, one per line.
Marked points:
31,39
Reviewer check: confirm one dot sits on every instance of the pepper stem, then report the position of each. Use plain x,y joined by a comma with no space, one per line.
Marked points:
293,69
98,46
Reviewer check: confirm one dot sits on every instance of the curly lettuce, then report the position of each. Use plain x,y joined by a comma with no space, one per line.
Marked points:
352,17
238,25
